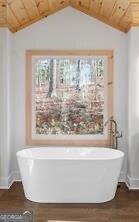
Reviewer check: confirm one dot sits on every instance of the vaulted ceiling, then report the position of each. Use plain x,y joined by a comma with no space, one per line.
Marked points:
3,13
121,14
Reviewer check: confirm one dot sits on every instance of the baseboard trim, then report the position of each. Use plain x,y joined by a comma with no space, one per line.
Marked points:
17,176
122,177
132,183
6,182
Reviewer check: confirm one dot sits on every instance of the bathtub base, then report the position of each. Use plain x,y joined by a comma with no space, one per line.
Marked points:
69,201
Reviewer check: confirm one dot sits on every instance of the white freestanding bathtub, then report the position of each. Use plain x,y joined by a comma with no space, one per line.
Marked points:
70,175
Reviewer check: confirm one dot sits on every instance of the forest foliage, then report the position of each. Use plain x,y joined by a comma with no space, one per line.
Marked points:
69,96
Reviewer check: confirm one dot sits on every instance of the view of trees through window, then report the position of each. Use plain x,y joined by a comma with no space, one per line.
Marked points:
69,95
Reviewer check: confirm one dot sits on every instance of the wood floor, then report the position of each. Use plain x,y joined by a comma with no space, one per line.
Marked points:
124,208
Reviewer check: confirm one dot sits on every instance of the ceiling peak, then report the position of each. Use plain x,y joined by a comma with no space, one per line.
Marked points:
120,14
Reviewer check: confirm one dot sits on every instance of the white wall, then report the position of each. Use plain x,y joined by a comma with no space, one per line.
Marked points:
5,106
67,29
133,109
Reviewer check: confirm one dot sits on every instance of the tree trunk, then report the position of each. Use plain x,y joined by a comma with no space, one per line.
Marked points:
78,76
54,79
50,90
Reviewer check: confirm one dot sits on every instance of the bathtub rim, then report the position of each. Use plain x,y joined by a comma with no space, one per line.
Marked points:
20,154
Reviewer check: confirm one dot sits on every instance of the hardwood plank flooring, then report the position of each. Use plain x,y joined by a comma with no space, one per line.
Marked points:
124,208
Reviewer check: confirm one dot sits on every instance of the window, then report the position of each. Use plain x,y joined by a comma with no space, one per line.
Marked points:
69,96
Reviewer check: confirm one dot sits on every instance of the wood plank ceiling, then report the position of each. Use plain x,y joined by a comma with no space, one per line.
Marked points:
3,13
121,14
